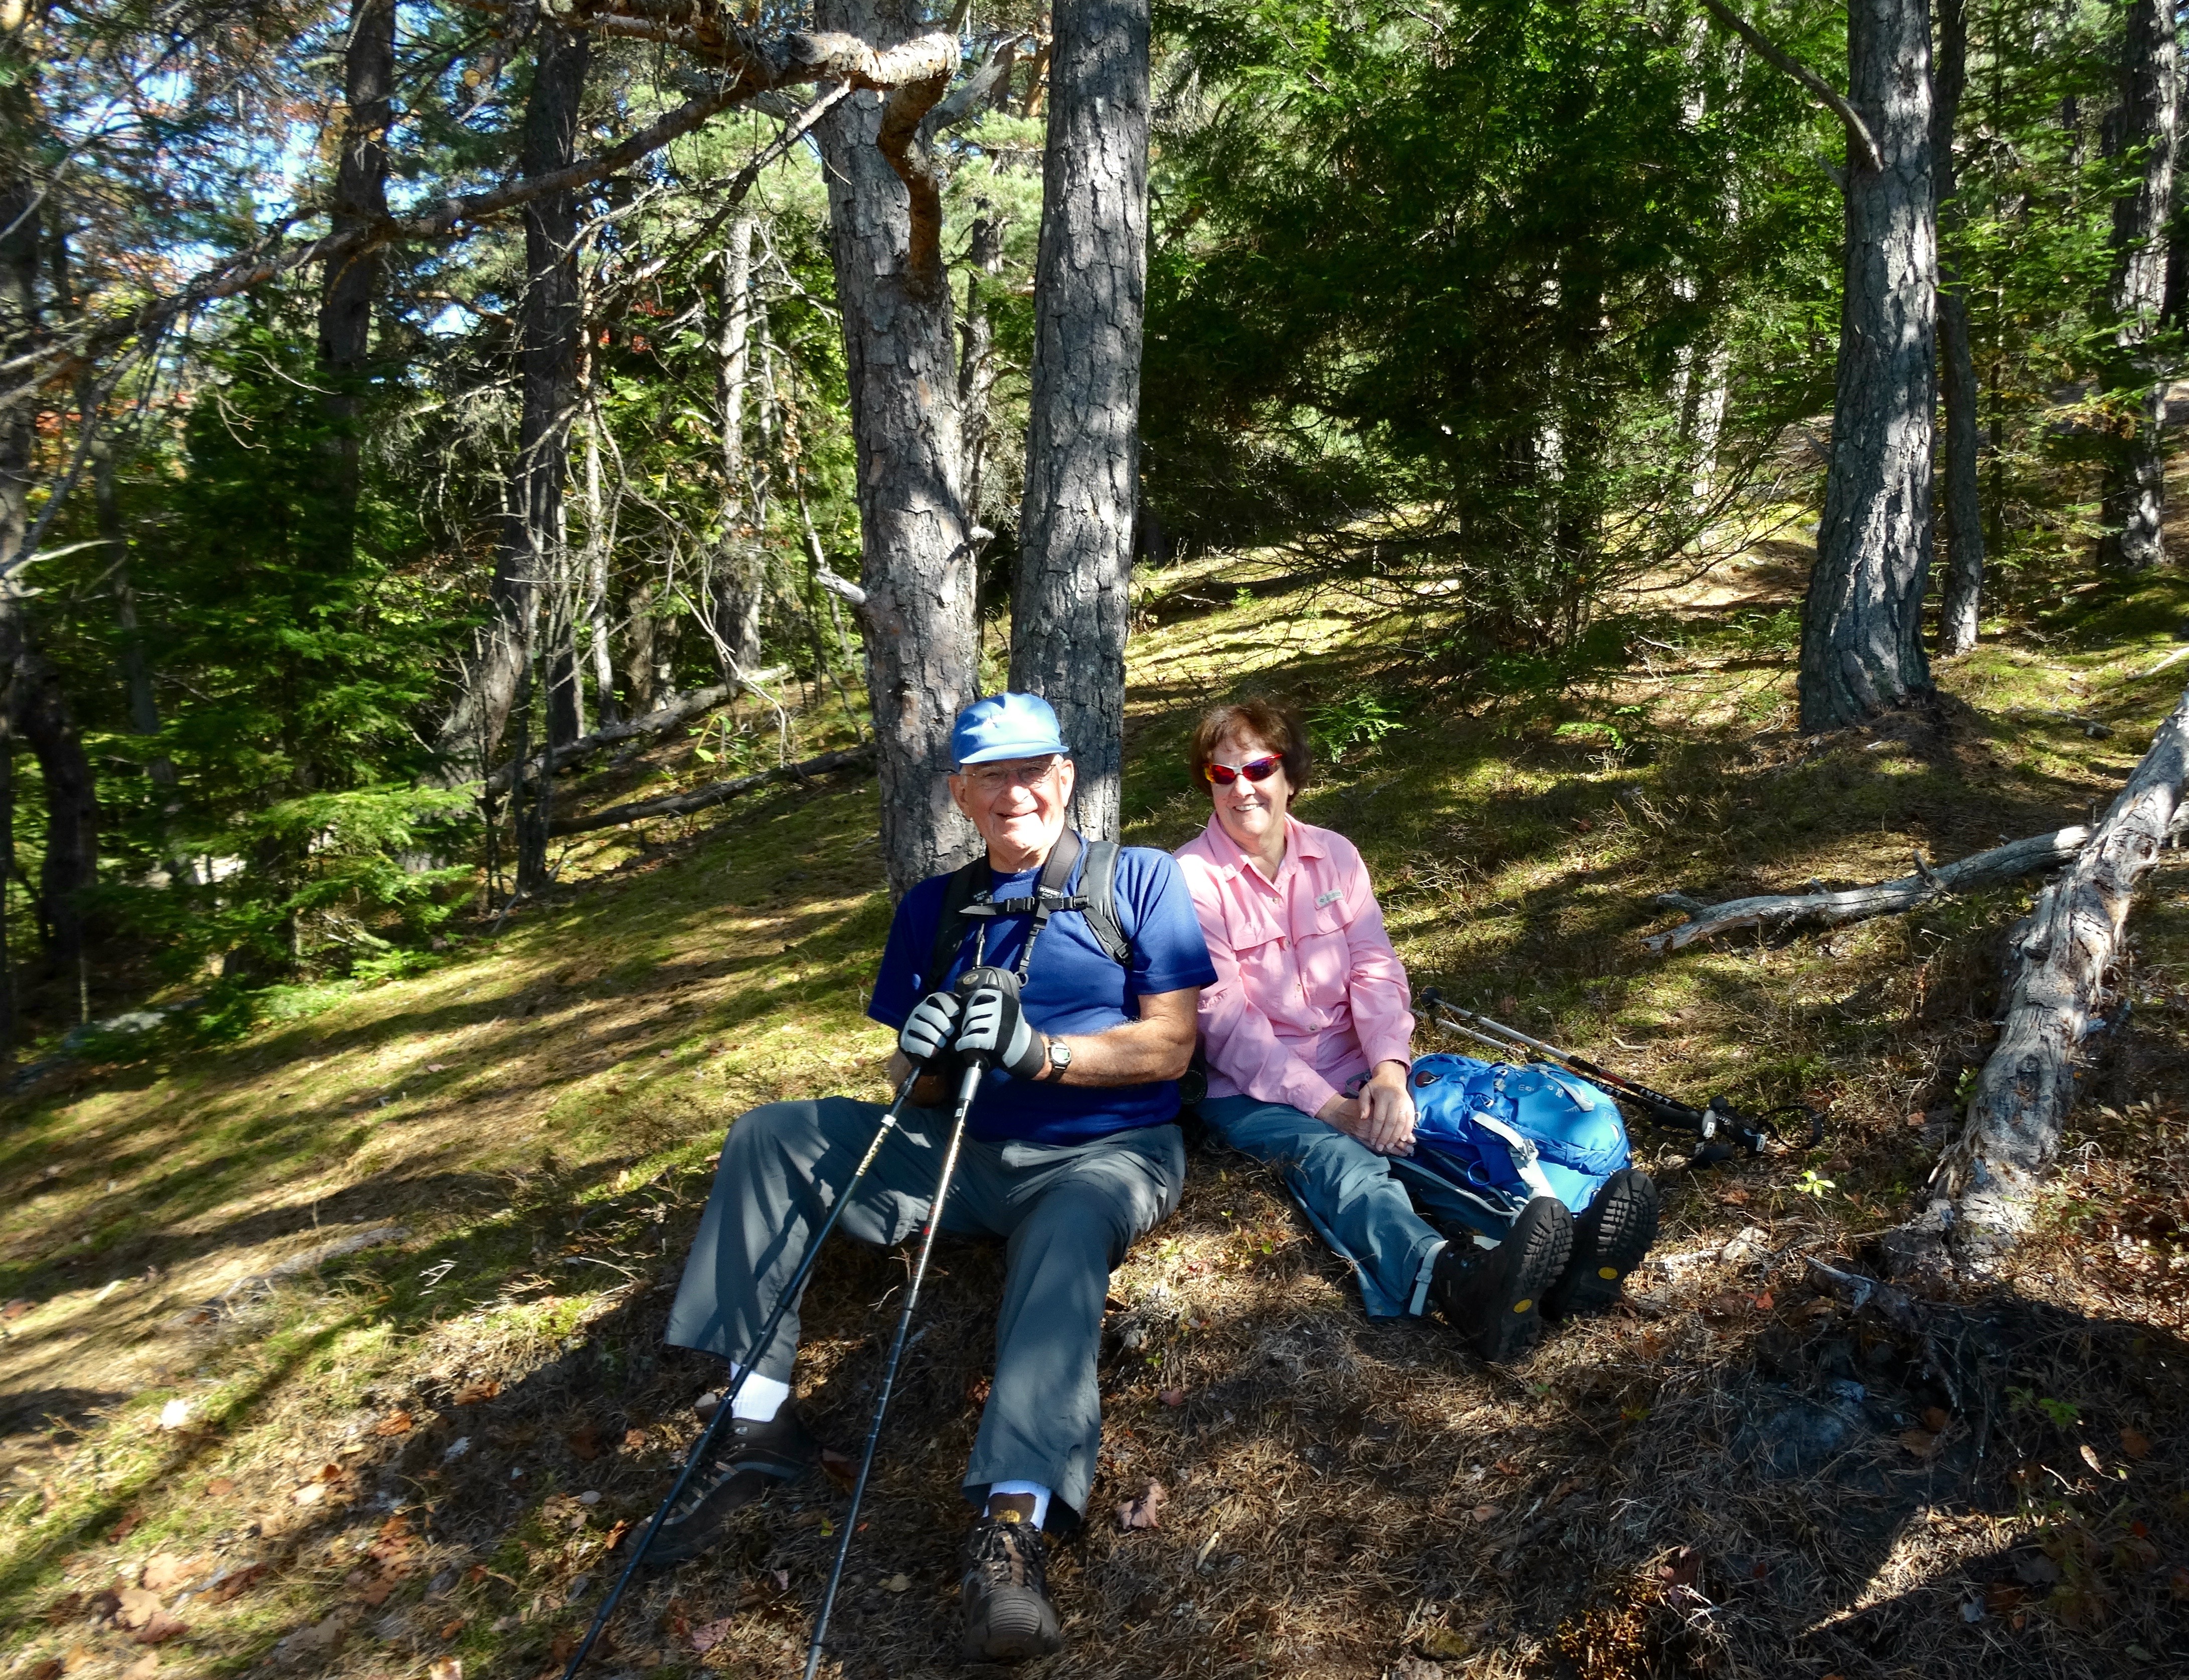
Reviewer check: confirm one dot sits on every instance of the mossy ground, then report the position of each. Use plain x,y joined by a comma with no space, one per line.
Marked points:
416,1452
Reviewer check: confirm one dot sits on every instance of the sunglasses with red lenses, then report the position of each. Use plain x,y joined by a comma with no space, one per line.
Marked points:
1254,770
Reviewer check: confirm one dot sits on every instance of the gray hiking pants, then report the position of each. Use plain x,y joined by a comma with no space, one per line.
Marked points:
1065,1212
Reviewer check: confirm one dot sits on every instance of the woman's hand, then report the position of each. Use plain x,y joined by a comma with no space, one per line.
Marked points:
1382,1116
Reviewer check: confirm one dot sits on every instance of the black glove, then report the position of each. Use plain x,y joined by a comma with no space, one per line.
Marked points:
995,1028
929,1028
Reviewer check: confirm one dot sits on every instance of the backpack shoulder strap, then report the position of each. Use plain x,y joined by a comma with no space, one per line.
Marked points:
966,879
1097,885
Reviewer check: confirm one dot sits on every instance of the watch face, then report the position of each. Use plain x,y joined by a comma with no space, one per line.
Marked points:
1060,1053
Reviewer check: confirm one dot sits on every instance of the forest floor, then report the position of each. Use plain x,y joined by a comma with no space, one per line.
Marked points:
336,1350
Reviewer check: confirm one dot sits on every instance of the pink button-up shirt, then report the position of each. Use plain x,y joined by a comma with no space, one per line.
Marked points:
1309,993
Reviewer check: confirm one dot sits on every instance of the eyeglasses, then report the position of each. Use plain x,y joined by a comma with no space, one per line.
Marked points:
1254,770
991,779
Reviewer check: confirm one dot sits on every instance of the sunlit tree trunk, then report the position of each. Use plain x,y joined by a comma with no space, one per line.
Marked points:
1862,650
1960,504
917,565
2141,130
740,575
1071,602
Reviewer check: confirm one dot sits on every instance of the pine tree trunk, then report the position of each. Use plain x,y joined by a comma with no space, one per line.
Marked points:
1960,501
597,579
1071,602
976,362
917,565
1862,650
2143,128
549,322
360,197
738,572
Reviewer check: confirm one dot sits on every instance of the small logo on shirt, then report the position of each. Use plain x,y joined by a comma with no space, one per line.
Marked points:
1329,897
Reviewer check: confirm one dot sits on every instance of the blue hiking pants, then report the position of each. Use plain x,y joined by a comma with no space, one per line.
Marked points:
1359,1203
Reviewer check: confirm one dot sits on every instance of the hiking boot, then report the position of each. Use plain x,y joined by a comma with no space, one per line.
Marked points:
1609,1240
1008,1614
747,1458
1494,1296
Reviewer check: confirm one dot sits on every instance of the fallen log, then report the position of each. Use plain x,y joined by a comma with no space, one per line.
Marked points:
1776,910
681,709
2058,959
715,793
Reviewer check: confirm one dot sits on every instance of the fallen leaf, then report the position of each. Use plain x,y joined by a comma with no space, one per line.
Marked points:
50,1669
1507,1467
2090,1457
310,1494
707,1635
1764,1302
1682,1568
1173,1397
143,1668
395,1423
134,1607
584,1441
166,1572
1146,1511
436,1067
446,1668
2002,1597
219,1487
616,1532
1935,1419
75,1657
781,1579
1735,1198
633,1439
1725,1306
2135,1443
896,1583
161,1628
450,1630
373,1591
229,1586
15,1309
474,1394
127,1526
2177,1584
840,1467
1920,1442
1483,1513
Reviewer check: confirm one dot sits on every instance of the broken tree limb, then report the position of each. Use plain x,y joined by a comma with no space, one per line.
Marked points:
2058,959
1778,910
681,709
715,793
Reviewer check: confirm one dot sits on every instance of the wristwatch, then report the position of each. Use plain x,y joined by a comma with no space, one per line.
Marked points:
1060,1058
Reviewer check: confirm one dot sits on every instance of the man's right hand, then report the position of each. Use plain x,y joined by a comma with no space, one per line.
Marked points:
928,1029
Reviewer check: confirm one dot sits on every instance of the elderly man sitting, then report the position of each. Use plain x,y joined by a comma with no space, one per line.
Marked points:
1071,1153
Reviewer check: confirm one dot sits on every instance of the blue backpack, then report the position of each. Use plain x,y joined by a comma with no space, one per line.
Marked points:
1496,1135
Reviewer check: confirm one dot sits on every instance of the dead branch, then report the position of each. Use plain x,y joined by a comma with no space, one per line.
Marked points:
1854,904
2060,955
681,709
1865,143
715,793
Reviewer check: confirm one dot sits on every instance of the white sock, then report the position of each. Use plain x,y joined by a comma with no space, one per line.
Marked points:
761,1398
1040,1496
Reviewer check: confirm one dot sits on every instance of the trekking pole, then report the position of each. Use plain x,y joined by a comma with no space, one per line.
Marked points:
969,1086
1707,1123
744,1369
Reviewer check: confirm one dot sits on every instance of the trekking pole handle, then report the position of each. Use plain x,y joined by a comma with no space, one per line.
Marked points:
790,1293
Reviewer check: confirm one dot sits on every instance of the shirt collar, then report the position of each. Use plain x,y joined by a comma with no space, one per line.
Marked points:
1300,841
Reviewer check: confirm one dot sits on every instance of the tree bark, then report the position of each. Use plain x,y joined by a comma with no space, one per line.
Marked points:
976,362
1960,501
1862,650
740,575
2059,958
551,321
1071,604
917,563
2141,129
360,202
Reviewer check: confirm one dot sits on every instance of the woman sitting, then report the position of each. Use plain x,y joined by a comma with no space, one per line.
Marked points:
1308,1032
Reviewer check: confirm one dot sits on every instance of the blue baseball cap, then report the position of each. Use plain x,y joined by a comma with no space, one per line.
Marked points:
1004,725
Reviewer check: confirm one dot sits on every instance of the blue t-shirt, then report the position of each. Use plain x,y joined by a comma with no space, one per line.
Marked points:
1072,986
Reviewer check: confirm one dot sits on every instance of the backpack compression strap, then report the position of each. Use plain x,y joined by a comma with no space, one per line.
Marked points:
966,897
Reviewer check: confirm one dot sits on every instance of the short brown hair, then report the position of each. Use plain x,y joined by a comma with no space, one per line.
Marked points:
1276,725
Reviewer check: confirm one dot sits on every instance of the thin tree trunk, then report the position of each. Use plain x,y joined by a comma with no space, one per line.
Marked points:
638,650
1071,604
917,566
596,577
1960,502
738,576
2142,127
361,201
551,320
976,362
1862,649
